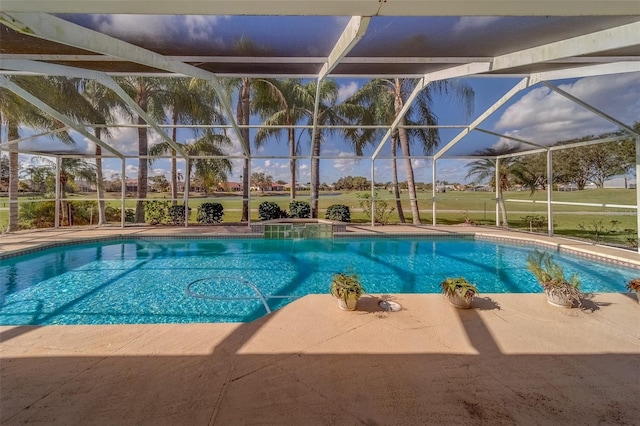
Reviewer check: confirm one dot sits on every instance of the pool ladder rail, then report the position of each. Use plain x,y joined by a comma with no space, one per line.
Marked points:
259,295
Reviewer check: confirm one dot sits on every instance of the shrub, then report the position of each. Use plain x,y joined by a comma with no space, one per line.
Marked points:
176,215
155,212
84,212
129,215
534,222
269,210
381,212
339,212
210,213
112,214
299,209
37,214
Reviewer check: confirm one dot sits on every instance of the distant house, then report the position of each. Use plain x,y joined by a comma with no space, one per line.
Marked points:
568,188
230,186
299,187
132,185
483,188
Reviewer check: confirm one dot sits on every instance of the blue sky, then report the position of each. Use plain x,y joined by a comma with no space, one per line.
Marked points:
536,114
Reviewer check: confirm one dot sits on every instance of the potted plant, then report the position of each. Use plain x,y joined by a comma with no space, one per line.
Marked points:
560,291
458,291
634,285
347,289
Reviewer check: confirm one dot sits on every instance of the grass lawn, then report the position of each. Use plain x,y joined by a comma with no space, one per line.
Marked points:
452,208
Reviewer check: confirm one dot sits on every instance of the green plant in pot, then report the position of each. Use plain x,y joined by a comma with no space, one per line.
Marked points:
634,285
458,291
347,289
560,291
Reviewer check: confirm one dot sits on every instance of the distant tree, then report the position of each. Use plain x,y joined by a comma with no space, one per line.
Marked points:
71,169
594,163
159,183
485,169
15,112
37,174
383,99
261,180
350,183
4,170
102,104
148,93
284,105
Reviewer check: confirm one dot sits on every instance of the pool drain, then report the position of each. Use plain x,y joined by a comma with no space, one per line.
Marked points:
390,306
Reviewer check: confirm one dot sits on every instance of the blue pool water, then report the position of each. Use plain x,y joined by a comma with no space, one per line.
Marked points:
175,281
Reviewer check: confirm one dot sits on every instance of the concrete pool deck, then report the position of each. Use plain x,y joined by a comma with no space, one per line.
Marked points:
512,359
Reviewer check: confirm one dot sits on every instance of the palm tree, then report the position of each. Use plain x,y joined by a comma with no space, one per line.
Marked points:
71,169
328,114
246,87
210,171
15,112
282,105
104,103
192,101
485,168
385,98
148,93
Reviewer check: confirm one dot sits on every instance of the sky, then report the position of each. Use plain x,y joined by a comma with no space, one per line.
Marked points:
537,114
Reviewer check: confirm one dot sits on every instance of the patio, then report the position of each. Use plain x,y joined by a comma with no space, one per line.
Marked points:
513,359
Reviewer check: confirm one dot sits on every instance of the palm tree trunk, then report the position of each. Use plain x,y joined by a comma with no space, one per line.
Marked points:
503,209
292,163
102,219
174,166
242,112
396,185
315,176
501,205
14,168
406,152
143,150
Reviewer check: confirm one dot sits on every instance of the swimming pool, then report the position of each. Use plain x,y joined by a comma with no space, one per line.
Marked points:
178,281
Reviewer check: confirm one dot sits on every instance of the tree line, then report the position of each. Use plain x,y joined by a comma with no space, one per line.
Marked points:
189,101
282,102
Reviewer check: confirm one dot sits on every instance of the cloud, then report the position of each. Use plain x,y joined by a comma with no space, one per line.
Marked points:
345,164
347,90
189,27
544,116
467,23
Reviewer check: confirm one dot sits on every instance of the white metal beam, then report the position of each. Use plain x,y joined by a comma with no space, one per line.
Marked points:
105,80
459,71
331,7
587,143
7,144
522,84
10,85
585,60
593,70
590,108
502,135
599,41
56,29
352,34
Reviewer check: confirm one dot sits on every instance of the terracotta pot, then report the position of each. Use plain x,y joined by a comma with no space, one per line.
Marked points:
559,301
458,301
349,305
